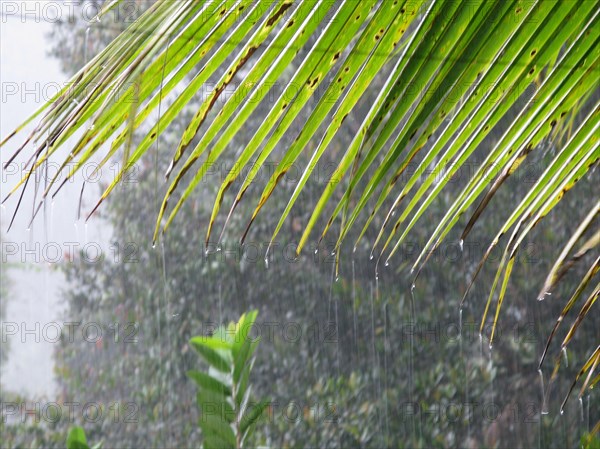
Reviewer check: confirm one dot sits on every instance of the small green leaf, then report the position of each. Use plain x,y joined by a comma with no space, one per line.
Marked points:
76,439
213,357
209,383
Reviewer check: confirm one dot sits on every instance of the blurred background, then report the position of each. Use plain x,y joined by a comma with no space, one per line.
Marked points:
96,321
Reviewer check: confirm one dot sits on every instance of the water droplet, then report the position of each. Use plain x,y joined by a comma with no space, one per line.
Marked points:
316,250
544,411
267,263
565,356
412,287
541,298
387,263
218,248
354,249
393,212
332,253
461,244
154,246
337,278
371,256
581,408
562,411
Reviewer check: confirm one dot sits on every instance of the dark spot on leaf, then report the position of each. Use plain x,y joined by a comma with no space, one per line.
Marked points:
290,23
279,13
346,69
336,56
315,81
519,10
532,71
533,52
553,123
153,135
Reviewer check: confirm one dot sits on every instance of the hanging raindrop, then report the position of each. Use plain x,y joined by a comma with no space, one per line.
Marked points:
543,411
565,356
85,46
267,262
461,244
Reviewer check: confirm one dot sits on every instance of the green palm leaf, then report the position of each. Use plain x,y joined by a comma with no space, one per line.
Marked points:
450,76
